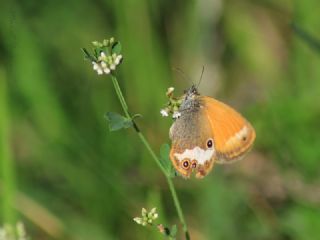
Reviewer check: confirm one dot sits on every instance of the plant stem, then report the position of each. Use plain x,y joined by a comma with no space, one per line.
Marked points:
7,185
154,156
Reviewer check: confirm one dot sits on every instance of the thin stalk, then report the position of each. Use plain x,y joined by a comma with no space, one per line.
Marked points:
7,187
154,156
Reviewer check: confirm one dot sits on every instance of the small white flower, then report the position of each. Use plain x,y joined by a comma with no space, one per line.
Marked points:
103,64
144,212
164,113
118,59
95,66
112,67
138,220
153,214
146,218
153,211
106,70
176,115
102,55
170,91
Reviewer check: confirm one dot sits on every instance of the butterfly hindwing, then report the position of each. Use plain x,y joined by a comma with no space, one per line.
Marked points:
192,143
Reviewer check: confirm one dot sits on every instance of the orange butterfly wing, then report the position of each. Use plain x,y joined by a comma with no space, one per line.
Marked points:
233,134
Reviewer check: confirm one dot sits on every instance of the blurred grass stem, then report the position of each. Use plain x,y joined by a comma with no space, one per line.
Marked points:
7,189
154,156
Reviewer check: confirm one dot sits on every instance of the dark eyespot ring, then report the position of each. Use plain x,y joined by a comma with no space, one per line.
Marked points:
244,138
186,164
194,164
209,143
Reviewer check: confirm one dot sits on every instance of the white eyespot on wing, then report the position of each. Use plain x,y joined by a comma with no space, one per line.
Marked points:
197,153
243,133
239,136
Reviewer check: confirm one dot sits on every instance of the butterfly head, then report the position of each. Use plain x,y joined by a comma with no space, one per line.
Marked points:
191,92
190,100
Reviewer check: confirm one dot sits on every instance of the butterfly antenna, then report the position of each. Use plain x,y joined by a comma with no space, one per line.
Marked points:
183,75
200,76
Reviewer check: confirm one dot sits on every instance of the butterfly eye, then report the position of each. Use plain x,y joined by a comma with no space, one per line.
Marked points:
186,164
209,143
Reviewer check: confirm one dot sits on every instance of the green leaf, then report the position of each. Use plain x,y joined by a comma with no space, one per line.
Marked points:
117,121
173,231
116,48
87,55
165,161
96,52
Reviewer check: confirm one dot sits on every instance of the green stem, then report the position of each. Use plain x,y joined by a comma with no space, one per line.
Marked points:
7,176
154,156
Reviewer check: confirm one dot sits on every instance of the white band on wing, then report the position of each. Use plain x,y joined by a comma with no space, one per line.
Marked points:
196,153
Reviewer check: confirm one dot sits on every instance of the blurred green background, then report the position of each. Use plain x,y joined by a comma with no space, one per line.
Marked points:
67,177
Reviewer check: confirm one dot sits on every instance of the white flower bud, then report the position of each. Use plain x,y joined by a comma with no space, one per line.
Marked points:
176,115
164,113
138,220
106,70
144,212
170,91
112,67
95,66
103,65
118,59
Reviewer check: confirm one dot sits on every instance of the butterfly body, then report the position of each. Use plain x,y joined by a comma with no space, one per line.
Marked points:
206,132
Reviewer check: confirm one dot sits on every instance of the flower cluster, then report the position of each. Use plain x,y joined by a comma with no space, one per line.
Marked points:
106,56
9,232
146,218
172,107
106,64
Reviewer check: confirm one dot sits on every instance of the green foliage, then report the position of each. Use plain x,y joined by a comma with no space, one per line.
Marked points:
165,160
56,151
173,231
117,121
116,48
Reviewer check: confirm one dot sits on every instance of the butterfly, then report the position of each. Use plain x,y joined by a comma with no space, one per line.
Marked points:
207,131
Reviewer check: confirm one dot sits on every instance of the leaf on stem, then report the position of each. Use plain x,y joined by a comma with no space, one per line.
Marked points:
117,121
173,231
165,161
87,55
116,48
